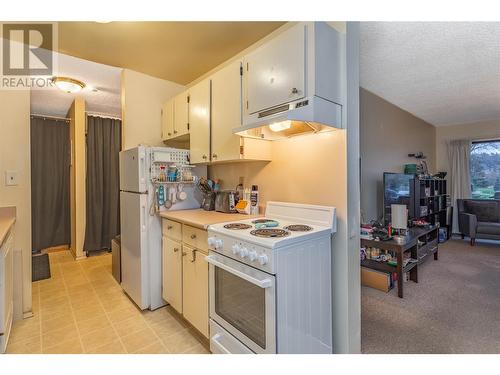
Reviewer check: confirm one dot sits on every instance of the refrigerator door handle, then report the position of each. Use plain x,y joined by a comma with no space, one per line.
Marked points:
142,168
143,218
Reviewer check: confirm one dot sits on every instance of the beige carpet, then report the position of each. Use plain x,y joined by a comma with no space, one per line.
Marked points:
455,307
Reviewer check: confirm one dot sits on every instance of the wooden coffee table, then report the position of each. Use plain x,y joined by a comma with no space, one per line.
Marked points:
421,242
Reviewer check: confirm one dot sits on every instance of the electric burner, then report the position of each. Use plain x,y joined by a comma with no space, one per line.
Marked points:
270,232
298,228
237,226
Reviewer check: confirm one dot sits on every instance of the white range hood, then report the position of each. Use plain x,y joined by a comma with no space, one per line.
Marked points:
292,85
304,116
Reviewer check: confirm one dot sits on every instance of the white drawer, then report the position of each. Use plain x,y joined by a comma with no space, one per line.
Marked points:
221,342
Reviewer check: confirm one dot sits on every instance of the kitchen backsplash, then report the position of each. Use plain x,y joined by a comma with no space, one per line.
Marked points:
305,169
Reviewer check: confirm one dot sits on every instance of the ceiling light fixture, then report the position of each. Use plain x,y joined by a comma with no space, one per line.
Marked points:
68,85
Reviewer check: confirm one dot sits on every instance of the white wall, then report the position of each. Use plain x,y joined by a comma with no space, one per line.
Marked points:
388,135
142,99
477,131
347,327
15,156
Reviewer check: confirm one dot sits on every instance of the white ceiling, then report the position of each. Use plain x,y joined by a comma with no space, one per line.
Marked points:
104,78
442,72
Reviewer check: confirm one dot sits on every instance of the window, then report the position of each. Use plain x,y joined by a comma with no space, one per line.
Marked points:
485,169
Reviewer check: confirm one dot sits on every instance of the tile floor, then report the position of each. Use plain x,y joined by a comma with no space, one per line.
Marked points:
82,309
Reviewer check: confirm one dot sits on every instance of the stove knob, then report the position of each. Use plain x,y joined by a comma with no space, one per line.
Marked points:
263,259
252,255
211,241
236,249
244,252
218,244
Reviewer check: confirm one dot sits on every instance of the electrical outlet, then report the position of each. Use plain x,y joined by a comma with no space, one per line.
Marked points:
10,178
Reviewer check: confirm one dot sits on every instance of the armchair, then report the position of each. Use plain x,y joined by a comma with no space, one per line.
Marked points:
479,218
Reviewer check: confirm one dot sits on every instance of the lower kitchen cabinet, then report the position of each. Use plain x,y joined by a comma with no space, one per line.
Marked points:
172,273
6,288
195,288
185,272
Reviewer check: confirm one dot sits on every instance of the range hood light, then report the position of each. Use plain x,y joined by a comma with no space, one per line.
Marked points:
280,126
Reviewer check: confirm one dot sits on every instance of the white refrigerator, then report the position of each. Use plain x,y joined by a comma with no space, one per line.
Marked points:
141,250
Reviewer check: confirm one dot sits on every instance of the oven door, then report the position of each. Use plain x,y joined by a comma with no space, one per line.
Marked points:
243,302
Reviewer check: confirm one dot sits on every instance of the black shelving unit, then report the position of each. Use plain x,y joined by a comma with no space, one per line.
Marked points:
430,201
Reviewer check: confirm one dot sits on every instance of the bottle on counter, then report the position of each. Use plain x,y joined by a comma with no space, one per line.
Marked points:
254,200
240,191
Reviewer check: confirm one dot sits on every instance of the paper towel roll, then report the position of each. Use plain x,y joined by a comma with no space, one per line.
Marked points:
399,215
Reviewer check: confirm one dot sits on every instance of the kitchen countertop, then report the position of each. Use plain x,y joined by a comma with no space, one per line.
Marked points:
202,219
7,219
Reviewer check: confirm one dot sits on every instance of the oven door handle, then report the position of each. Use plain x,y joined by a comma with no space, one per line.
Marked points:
265,283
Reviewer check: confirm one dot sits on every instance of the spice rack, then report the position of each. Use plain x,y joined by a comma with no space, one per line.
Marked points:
179,161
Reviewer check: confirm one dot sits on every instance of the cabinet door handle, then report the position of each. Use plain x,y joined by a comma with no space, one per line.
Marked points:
204,156
169,133
193,236
193,256
169,227
175,131
176,249
295,90
184,253
214,156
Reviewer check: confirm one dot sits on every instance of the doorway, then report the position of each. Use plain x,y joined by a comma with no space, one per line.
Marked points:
50,162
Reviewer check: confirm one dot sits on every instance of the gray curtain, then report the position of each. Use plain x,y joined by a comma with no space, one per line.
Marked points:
459,161
103,186
50,163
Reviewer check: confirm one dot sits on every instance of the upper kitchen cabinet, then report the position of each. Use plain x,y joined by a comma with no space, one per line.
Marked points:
226,115
181,118
275,72
175,117
292,84
226,112
167,120
199,122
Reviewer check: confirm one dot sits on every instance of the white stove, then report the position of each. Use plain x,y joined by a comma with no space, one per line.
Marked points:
270,281
258,232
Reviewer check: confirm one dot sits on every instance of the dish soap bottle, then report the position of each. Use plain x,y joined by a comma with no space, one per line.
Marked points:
254,200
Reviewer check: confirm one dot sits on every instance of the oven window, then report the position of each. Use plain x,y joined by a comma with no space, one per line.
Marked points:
241,304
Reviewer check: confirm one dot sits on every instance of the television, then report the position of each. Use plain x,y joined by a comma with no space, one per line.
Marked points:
396,191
